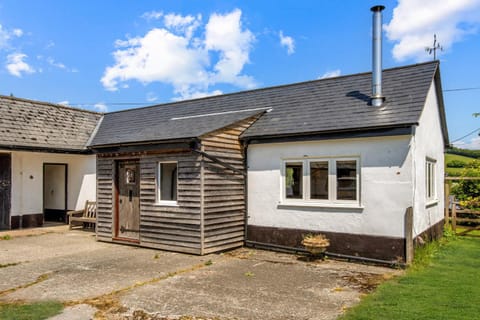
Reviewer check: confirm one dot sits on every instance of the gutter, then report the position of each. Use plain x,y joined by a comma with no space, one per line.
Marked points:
404,129
190,143
46,149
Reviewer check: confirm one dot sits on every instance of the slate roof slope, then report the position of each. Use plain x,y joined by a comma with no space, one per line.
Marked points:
28,124
321,106
154,124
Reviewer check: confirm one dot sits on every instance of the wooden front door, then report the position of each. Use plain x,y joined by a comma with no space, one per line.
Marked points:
5,190
128,200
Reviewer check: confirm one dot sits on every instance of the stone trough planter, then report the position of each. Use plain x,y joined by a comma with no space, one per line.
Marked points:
316,244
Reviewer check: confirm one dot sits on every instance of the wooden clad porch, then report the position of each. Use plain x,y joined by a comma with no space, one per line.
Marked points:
209,212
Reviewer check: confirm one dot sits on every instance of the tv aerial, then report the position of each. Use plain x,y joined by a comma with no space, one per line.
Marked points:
436,46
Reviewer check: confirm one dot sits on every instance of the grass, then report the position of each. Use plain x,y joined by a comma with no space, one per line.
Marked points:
472,233
34,311
453,172
450,157
442,284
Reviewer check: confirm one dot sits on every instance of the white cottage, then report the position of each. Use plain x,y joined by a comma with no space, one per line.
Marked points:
45,167
325,160
318,157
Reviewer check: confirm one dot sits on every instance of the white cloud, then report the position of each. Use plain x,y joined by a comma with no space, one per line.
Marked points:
152,15
473,144
158,56
287,42
151,97
183,24
6,36
16,64
224,34
331,74
64,102
56,64
101,107
17,32
180,54
200,94
415,22
50,44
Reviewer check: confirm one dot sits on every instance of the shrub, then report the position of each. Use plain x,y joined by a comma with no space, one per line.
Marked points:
456,164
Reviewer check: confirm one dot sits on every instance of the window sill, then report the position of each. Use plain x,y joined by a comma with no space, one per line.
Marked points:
431,203
351,206
167,203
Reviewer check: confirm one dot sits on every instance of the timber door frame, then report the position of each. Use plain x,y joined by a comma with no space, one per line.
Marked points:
65,165
116,191
5,222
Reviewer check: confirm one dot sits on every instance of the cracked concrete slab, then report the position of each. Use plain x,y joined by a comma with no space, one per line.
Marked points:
118,281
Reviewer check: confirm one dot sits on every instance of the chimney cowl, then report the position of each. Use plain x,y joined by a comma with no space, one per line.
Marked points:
377,97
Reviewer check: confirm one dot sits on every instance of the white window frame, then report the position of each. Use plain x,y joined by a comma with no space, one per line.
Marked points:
431,180
158,185
332,200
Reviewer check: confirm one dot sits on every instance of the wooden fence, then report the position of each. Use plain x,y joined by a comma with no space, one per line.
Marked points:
469,220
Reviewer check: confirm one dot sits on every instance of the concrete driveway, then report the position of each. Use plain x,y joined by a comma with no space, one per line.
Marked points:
106,281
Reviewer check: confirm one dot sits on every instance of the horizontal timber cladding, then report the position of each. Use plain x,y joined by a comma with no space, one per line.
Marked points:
223,189
105,205
209,214
175,228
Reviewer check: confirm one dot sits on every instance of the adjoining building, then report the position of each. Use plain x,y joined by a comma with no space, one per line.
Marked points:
45,166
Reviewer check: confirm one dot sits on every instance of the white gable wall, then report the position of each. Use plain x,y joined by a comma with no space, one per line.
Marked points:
428,142
27,180
386,188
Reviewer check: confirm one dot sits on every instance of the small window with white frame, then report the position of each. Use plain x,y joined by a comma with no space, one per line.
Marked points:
321,181
430,179
167,182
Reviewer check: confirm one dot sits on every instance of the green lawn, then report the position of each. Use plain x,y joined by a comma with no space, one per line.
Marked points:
448,287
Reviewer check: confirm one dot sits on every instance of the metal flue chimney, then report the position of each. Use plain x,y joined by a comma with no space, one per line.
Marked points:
377,97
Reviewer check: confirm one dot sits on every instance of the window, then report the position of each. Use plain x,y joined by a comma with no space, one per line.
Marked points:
430,179
323,181
319,180
167,182
294,180
347,180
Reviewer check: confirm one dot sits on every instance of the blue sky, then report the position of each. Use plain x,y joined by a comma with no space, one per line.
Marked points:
110,55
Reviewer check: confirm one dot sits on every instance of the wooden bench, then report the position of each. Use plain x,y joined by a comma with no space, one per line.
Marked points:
85,217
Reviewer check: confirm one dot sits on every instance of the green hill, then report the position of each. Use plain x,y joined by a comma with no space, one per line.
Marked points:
455,171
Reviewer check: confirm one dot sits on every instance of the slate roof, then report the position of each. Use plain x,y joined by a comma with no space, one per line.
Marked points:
27,124
339,104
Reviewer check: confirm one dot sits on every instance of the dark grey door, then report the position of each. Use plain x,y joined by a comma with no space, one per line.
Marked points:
5,190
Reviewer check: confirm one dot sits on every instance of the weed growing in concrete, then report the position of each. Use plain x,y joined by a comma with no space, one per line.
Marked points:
8,264
34,311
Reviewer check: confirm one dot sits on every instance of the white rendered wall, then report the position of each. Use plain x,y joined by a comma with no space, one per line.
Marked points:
386,188
27,180
428,142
